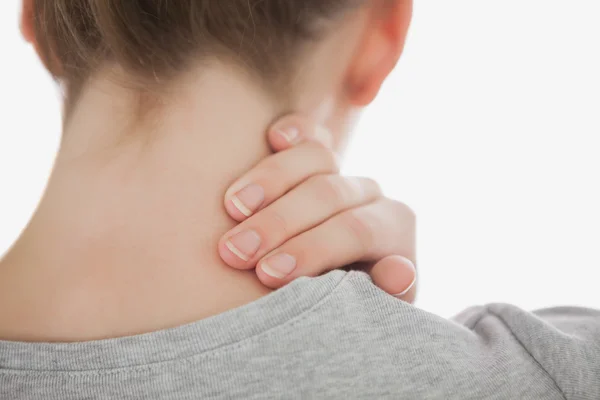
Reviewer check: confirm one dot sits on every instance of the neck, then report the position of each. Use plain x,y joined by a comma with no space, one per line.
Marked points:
125,238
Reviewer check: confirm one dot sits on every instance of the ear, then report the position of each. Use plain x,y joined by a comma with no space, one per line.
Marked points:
382,46
28,32
27,29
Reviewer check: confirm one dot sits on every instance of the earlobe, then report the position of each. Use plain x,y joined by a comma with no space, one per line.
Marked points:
382,46
26,24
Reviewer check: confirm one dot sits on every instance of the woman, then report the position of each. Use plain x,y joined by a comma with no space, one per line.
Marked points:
119,287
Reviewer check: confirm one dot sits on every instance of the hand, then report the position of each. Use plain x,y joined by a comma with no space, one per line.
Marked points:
299,217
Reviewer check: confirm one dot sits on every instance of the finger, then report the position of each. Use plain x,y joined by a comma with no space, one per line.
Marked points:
276,175
397,276
305,207
292,130
363,234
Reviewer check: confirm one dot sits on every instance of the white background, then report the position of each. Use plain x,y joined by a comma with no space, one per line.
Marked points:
489,129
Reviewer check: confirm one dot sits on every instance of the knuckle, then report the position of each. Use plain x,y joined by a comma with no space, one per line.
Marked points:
373,186
360,228
377,186
411,215
273,165
276,226
331,190
406,212
332,161
404,219
327,156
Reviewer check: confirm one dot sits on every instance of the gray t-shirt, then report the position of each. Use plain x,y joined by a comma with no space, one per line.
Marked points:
337,336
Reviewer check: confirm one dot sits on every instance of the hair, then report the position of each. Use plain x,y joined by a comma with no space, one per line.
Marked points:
154,40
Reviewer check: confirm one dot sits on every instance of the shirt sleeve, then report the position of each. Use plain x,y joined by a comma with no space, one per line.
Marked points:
564,342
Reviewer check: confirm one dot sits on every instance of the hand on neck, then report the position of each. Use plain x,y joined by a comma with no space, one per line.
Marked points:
125,239
135,209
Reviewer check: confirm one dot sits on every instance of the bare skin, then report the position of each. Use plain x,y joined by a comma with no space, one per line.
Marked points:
125,238
310,219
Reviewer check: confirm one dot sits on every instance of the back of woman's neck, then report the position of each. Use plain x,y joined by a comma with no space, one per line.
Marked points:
124,240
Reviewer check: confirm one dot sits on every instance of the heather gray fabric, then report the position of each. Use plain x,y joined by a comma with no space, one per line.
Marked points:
337,336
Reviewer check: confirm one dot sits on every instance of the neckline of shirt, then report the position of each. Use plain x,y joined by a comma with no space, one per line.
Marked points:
207,335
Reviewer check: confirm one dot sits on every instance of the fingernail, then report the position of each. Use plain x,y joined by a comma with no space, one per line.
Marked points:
407,289
249,199
290,134
411,266
244,245
323,136
279,266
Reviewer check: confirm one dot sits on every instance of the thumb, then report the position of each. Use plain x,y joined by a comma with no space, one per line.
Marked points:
397,276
